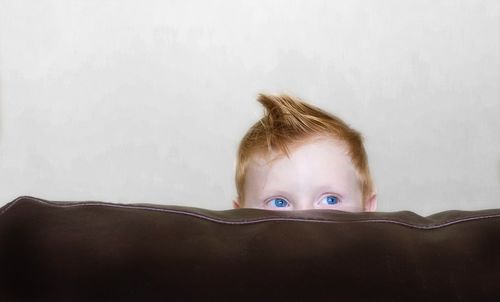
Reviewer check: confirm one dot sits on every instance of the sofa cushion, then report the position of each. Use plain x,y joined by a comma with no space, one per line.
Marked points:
98,251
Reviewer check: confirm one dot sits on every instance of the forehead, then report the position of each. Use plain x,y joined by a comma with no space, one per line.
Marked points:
318,162
311,149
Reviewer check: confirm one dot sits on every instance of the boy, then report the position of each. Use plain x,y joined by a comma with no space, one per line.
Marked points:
325,166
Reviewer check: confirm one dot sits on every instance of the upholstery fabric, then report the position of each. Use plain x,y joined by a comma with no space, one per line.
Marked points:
100,251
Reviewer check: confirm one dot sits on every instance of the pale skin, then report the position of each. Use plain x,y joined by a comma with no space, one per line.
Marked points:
318,175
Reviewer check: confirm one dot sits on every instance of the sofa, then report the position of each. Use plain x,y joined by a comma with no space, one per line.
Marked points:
102,251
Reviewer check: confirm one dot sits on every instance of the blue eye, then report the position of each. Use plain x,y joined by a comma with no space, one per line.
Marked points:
331,200
279,202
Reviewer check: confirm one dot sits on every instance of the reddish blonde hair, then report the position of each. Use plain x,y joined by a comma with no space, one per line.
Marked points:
288,122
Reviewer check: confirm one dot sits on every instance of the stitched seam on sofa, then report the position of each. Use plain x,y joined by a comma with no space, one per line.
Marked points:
258,220
14,202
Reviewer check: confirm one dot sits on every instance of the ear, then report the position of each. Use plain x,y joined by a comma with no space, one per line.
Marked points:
371,203
236,203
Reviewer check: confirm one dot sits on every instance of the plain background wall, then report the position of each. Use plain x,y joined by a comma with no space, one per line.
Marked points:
146,101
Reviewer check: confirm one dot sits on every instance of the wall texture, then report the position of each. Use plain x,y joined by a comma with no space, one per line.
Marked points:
146,101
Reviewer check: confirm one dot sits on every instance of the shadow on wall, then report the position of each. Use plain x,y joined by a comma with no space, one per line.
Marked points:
2,94
498,170
1,97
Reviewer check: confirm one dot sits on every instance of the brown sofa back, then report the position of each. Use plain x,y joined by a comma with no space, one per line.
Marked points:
96,251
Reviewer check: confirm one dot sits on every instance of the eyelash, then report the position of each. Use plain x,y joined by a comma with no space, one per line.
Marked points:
336,197
288,203
285,206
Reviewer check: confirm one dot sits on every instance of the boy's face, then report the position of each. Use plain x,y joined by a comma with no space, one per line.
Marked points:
318,175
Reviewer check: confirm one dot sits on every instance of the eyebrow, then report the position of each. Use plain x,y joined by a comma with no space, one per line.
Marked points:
266,193
326,188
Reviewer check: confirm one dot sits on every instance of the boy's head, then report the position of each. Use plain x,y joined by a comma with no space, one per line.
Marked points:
300,157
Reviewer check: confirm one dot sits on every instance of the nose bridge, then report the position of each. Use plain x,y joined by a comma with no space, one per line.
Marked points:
305,179
303,196
303,201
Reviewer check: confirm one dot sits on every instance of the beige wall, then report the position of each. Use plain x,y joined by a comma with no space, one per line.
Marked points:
145,101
